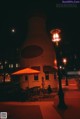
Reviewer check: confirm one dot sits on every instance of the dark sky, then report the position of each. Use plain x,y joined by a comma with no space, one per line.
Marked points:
16,15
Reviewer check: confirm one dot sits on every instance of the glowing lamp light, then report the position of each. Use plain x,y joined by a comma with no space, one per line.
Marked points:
55,35
55,62
64,60
60,67
13,30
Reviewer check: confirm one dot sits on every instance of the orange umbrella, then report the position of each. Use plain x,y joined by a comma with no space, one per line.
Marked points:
26,71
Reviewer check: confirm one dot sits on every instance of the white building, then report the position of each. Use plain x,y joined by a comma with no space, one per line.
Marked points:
38,53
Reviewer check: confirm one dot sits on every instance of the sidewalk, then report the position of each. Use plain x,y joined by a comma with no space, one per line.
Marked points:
72,99
30,110
44,109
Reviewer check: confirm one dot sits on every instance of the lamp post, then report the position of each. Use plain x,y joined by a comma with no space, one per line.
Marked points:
56,39
65,62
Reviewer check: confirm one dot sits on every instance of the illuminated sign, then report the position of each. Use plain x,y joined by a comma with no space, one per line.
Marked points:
73,73
70,1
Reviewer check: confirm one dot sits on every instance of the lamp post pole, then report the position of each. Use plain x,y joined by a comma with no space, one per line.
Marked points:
65,62
56,39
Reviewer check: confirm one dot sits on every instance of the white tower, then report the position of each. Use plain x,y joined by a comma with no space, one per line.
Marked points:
38,53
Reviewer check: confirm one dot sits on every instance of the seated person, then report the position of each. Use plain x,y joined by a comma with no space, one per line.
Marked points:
49,89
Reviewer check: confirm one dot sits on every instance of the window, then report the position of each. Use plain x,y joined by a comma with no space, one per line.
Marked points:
47,76
17,65
55,76
10,65
26,77
36,77
1,67
5,62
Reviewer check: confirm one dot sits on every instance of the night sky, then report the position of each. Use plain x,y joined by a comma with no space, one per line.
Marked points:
16,16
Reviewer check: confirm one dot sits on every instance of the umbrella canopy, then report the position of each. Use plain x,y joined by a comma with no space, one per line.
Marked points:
26,71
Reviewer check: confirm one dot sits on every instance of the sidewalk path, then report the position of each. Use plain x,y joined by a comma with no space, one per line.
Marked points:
30,110
72,99
44,109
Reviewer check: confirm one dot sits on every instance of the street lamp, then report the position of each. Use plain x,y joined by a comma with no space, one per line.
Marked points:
65,62
56,39
55,36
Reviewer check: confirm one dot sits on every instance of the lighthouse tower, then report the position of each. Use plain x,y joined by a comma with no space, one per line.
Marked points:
38,53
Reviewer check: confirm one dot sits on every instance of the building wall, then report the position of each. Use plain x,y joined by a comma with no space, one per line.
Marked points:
33,83
38,50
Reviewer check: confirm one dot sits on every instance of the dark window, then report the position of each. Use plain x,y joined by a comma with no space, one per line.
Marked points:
36,77
55,76
26,77
47,76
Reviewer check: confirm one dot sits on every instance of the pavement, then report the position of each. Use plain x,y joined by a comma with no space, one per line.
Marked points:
72,100
45,109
